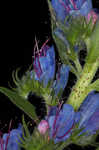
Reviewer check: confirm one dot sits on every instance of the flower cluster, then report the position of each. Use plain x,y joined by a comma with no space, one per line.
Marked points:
72,7
62,120
44,66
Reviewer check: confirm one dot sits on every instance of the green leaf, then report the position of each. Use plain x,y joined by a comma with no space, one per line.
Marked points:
93,45
64,54
97,148
22,103
27,133
94,85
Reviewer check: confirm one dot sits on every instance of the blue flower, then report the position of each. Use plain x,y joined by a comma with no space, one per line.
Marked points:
11,139
89,111
44,65
82,7
71,7
61,79
61,122
61,12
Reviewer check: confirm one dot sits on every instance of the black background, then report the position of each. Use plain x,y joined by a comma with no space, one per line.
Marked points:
20,23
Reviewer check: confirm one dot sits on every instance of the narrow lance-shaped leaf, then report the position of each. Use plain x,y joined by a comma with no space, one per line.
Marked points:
20,102
93,45
25,127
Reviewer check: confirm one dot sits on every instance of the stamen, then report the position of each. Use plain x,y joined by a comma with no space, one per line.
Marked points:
1,143
74,5
34,64
39,54
57,113
34,51
34,54
66,7
42,48
39,65
37,47
60,105
8,135
55,132
45,43
36,69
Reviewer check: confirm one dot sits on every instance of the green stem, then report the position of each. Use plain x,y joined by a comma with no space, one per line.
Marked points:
81,90
78,66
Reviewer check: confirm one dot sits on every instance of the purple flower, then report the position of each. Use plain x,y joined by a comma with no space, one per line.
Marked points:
10,140
71,7
82,7
60,10
61,79
44,65
61,122
89,111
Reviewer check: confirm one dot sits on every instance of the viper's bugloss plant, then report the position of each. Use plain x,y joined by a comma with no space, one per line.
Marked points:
75,29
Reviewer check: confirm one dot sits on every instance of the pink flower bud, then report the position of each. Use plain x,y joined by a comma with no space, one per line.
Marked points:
43,126
93,15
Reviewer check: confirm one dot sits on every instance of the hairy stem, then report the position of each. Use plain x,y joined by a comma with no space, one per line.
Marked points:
81,90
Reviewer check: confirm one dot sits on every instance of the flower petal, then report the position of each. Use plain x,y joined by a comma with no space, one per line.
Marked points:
59,9
43,126
61,123
83,7
88,108
72,7
62,79
13,139
93,123
65,121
